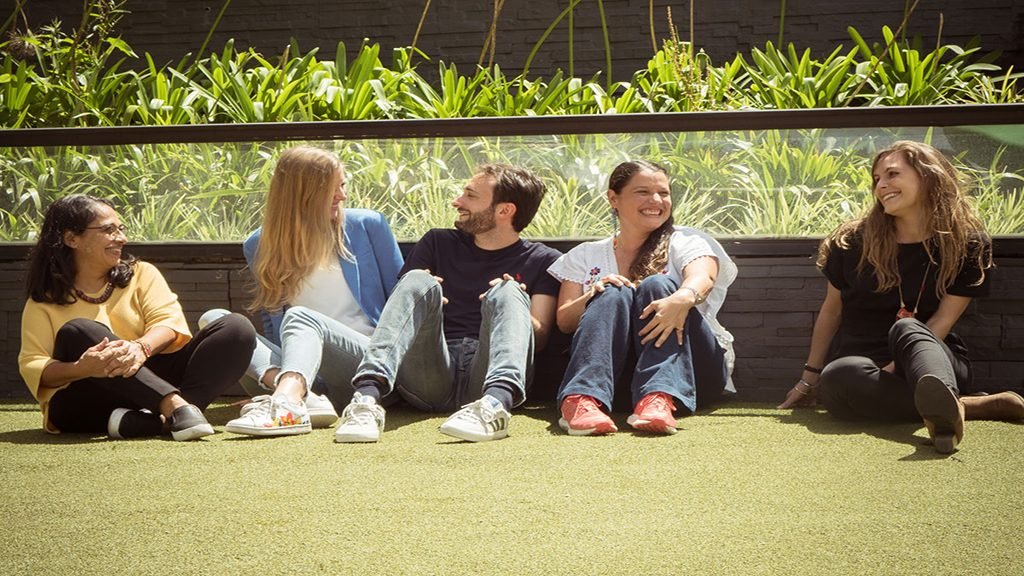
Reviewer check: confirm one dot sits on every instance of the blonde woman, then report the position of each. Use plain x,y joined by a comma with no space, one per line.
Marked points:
322,275
898,280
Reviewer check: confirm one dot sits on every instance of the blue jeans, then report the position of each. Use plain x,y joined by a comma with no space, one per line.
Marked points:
409,352
609,330
321,349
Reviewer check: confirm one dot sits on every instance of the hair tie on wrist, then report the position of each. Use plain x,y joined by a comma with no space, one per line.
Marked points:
812,369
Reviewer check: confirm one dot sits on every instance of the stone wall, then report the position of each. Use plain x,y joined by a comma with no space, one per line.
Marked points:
770,310
454,30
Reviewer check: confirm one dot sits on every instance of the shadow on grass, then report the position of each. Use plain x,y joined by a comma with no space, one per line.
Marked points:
39,436
818,421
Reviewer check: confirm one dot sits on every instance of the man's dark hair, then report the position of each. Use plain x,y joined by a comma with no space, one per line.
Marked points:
518,186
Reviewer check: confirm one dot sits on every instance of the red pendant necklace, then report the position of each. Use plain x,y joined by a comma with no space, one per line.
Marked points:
903,312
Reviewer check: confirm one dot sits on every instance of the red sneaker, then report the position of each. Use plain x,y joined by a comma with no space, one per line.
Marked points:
653,413
581,416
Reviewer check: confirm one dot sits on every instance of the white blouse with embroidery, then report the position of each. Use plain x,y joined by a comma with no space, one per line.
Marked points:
590,261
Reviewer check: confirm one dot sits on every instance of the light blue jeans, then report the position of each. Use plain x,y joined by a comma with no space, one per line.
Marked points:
410,354
322,350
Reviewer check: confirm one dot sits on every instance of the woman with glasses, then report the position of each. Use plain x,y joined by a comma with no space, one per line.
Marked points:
105,347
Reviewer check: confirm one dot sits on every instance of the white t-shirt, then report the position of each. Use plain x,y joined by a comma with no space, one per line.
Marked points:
327,292
590,261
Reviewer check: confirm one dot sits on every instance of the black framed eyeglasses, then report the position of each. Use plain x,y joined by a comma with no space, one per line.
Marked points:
110,229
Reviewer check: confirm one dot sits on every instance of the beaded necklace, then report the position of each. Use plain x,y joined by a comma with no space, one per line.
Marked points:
98,300
903,312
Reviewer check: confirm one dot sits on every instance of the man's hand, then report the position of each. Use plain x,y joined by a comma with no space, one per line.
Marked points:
444,299
504,278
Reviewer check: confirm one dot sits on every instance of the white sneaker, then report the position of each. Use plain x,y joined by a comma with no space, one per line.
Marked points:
254,403
272,417
361,421
321,411
480,421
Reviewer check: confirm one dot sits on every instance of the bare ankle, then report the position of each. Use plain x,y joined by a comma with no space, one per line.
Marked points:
291,385
170,403
269,377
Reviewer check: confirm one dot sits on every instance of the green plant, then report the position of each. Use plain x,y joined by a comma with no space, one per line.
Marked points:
998,194
736,183
902,74
792,80
75,78
570,11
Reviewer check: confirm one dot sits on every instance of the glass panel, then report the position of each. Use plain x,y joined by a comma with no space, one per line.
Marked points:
737,183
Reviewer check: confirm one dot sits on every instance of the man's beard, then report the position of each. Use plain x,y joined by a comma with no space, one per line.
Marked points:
477,222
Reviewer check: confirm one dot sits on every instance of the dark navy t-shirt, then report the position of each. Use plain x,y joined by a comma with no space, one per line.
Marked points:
868,315
468,269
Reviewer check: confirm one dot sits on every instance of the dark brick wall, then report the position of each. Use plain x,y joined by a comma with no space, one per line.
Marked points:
770,310
454,30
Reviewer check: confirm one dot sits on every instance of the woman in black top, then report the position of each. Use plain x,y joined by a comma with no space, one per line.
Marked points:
898,280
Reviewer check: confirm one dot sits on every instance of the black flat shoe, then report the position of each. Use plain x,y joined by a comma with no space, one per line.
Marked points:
942,412
188,423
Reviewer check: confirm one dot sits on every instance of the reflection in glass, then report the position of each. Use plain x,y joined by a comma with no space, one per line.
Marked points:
739,183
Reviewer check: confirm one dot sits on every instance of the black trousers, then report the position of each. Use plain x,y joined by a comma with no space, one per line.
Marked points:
213,360
854,387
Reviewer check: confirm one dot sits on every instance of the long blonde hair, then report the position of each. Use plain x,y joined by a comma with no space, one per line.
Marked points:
299,234
957,231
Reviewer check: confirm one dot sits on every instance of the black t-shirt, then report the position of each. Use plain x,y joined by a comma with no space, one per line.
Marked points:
868,315
467,270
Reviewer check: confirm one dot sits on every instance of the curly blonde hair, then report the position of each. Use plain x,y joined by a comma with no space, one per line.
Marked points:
957,232
299,234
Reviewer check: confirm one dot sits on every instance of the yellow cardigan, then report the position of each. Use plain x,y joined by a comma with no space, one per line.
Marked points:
130,312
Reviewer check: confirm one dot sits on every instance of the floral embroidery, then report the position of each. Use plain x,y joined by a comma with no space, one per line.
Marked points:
595,273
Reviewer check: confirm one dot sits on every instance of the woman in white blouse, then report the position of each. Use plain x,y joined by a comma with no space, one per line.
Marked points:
652,289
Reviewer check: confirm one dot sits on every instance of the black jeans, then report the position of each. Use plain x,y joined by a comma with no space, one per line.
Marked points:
215,358
854,387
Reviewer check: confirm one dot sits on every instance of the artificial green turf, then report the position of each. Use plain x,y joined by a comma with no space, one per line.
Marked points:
742,489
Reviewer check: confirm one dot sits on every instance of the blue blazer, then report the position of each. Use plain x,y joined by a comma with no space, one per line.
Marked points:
371,276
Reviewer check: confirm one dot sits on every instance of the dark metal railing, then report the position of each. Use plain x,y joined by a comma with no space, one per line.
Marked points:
878,117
